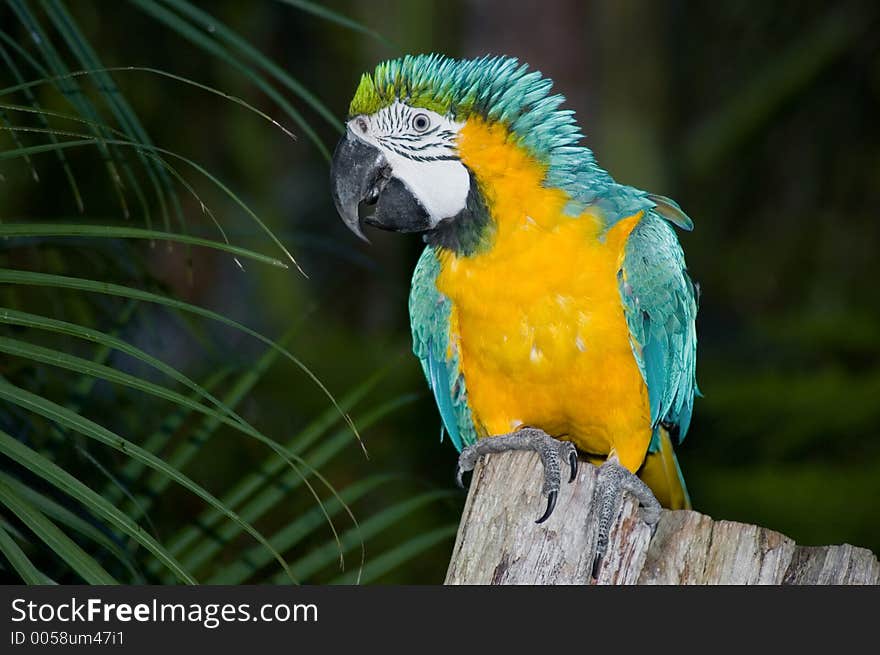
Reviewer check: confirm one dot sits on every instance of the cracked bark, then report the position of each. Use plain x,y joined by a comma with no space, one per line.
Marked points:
499,543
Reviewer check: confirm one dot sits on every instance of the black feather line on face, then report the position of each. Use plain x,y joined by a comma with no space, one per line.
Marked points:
397,146
405,144
412,157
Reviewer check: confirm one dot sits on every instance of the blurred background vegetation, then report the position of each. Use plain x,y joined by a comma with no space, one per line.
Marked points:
758,118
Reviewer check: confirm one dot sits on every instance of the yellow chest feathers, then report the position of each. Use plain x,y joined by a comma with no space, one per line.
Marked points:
537,319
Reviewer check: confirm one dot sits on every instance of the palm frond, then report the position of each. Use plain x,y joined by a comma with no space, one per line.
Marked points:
64,516
81,140
399,555
274,491
72,92
335,17
98,434
19,559
29,278
131,125
73,421
194,34
35,104
55,538
320,558
36,230
68,484
156,442
249,564
193,537
233,39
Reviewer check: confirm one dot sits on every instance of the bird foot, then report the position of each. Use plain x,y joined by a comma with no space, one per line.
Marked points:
552,452
612,481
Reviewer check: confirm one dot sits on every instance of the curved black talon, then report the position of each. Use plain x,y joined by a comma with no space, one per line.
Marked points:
551,505
573,462
597,564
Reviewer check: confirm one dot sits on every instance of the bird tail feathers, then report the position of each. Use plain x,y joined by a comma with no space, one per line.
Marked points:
662,473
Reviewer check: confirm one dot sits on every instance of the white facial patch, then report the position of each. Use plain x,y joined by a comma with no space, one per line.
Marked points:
420,146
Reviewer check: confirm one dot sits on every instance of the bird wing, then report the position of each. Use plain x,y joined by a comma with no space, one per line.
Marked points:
429,312
660,306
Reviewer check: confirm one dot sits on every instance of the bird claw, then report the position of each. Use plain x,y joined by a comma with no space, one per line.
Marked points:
551,505
552,451
553,495
466,462
597,566
458,473
612,481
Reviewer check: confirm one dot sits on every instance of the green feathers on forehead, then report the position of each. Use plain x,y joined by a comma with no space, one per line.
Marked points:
499,89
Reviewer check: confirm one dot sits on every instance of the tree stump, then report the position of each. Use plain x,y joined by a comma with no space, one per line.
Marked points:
498,541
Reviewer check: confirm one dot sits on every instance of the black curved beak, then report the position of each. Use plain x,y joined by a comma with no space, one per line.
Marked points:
358,173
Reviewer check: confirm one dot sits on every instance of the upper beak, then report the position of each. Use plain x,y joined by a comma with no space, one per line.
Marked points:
358,173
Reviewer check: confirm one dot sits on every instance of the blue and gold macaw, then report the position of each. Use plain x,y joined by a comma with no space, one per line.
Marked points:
551,309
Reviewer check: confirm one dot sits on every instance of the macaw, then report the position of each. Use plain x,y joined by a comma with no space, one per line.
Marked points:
551,309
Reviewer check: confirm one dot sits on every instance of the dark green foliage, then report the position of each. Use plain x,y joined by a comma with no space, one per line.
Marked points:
759,119
109,444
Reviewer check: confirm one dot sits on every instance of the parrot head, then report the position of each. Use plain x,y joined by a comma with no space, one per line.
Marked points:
402,161
399,167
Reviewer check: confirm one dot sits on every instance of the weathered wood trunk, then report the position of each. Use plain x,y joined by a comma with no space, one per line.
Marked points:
499,543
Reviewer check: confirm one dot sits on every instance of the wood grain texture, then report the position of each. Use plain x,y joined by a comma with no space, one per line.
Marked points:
498,541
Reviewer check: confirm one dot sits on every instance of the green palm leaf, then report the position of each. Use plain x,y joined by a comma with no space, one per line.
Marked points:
80,561
399,555
10,276
81,496
267,498
32,230
375,525
35,104
74,95
87,428
67,518
191,33
335,17
131,125
19,560
68,484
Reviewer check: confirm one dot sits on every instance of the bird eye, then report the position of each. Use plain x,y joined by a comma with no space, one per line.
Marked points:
362,125
421,122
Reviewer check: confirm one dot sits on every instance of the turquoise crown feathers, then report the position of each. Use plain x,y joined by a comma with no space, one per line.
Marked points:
501,89
497,88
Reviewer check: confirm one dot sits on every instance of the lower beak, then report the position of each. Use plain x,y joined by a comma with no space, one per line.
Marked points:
358,173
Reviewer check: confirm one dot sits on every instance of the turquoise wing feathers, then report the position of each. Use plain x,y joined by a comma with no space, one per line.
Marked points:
429,319
660,306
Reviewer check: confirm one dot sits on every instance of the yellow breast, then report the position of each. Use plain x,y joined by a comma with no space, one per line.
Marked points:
537,319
